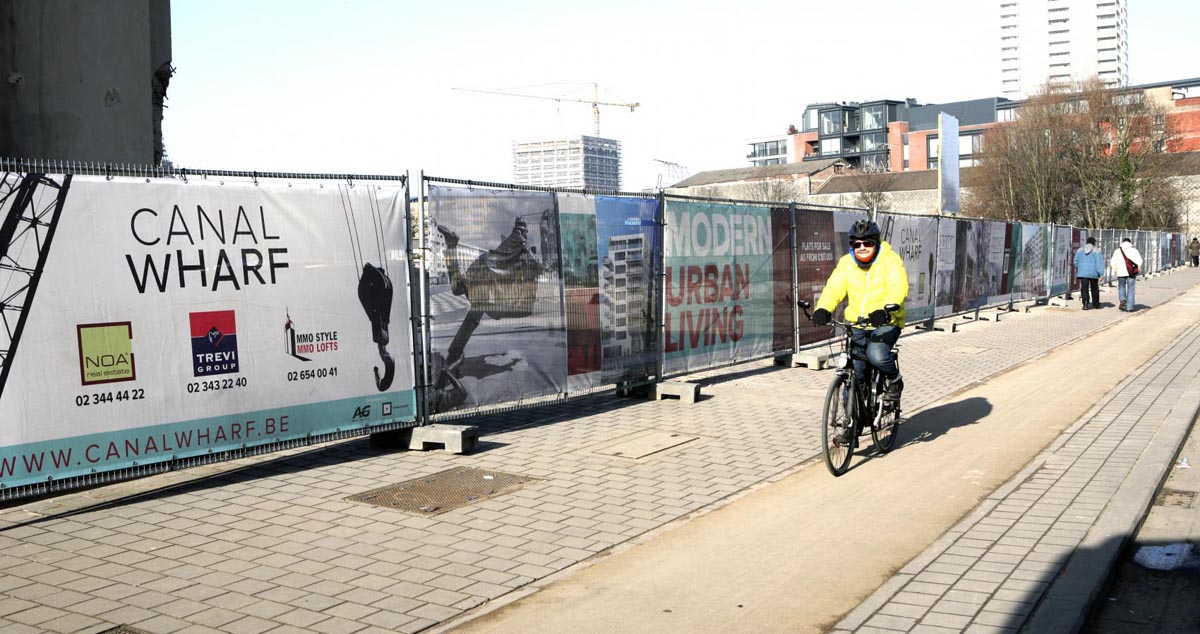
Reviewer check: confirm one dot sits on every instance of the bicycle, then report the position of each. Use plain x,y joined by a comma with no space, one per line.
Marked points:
855,406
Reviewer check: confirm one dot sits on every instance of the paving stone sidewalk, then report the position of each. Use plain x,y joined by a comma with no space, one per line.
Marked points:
1034,554
270,544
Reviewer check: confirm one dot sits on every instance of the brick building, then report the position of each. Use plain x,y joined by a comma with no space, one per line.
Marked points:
902,136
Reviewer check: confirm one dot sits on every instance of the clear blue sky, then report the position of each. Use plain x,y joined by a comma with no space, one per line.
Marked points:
365,86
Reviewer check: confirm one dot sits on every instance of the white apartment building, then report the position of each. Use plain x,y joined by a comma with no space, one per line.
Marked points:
1061,41
624,290
771,150
582,162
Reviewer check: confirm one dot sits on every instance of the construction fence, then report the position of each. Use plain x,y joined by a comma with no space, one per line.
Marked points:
153,320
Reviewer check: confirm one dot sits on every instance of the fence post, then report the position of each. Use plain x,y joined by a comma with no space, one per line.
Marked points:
660,261
933,285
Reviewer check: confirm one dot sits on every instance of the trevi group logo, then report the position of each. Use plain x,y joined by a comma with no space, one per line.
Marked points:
214,343
106,352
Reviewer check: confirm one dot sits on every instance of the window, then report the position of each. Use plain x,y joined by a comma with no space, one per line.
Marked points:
932,145
875,162
831,122
872,118
831,146
874,141
969,144
810,120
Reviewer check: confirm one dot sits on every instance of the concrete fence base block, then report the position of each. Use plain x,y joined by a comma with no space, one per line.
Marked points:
458,439
685,391
811,360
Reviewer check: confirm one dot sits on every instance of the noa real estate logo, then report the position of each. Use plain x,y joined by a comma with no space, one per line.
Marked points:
106,352
214,343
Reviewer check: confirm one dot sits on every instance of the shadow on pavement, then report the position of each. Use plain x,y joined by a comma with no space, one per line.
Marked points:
928,424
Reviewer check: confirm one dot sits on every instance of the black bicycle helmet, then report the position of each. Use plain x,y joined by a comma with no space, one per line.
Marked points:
864,229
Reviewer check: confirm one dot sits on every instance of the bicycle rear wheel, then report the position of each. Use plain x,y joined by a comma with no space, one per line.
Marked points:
837,426
884,433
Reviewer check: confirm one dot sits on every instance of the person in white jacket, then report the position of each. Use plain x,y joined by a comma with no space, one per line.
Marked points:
1126,279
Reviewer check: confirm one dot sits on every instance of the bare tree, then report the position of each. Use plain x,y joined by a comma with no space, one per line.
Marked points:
1090,156
773,190
873,184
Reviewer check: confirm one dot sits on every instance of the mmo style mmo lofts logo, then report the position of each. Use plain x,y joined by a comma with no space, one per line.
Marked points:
106,352
298,343
214,343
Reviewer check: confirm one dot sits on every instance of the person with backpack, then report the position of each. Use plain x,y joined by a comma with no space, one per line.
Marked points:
1126,263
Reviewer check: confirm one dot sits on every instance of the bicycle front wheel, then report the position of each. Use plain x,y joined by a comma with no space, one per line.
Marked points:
837,426
883,434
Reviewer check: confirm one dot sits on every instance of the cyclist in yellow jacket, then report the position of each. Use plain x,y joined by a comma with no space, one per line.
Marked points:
870,277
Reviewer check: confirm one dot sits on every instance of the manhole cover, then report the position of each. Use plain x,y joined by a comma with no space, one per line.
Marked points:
645,444
123,629
444,491
1176,499
969,350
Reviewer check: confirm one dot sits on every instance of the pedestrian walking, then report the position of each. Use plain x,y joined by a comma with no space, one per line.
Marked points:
1126,262
1194,251
1089,266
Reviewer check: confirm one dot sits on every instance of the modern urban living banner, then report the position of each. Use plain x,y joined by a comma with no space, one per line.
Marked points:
720,305
174,319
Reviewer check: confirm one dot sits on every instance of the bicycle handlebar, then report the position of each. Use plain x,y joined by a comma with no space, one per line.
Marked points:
862,321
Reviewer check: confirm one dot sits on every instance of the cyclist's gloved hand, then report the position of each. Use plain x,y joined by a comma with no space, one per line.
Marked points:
821,317
879,317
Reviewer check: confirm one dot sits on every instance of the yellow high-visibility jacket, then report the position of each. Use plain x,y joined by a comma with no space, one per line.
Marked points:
870,289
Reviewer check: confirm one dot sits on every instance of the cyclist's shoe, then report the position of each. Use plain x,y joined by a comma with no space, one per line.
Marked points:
894,388
844,437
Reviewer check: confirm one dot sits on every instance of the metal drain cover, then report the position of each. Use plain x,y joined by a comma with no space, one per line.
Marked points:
1176,499
444,491
123,629
969,350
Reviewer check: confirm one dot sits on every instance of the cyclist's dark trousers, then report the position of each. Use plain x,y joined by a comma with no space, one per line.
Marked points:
878,344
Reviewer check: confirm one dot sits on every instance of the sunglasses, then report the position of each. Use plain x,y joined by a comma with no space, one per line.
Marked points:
858,244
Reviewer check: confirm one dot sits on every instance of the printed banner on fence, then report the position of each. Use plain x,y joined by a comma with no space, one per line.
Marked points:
1060,261
581,289
498,331
627,229
175,319
947,254
979,262
720,304
816,258
915,239
1034,251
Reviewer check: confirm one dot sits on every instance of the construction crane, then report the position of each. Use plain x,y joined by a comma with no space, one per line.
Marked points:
595,101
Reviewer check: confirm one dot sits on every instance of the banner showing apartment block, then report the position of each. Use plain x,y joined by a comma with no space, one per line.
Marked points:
610,247
172,319
724,301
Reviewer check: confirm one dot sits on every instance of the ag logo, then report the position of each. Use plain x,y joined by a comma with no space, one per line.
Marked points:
106,352
362,412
